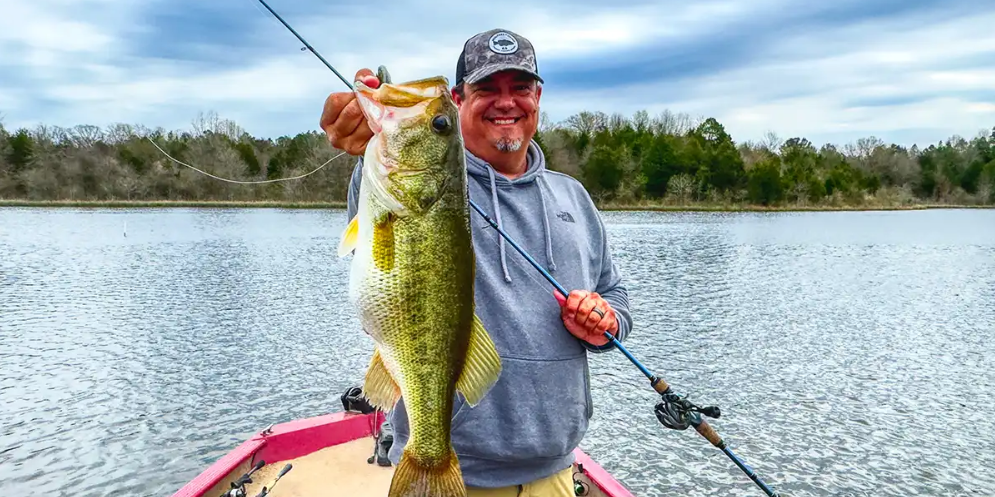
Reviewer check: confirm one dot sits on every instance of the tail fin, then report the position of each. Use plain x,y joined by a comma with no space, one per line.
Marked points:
412,480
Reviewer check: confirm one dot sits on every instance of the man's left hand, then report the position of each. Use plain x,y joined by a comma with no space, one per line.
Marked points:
587,316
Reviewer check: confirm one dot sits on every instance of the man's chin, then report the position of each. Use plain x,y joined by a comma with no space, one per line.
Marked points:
508,144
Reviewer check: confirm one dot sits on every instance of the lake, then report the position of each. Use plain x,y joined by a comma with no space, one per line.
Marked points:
850,352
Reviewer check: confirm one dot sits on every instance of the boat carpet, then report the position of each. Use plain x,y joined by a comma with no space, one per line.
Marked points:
341,470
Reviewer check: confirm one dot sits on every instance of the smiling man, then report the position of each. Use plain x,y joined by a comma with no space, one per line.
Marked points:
519,440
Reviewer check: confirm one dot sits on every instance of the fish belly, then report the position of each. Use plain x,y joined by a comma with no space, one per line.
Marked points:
418,308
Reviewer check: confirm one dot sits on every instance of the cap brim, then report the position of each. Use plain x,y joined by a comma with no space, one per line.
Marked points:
488,70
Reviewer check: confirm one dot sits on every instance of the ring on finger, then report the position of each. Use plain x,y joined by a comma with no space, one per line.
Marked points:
599,311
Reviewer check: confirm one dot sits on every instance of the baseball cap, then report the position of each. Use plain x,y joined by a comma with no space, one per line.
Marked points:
492,51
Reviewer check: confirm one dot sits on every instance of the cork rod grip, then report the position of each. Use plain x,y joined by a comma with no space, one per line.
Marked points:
660,385
710,434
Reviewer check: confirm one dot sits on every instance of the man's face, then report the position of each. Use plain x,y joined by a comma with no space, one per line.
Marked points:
500,112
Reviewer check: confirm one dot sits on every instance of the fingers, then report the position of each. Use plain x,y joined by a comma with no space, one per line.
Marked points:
348,121
344,123
607,323
367,77
574,300
580,308
355,143
333,107
577,312
584,316
343,120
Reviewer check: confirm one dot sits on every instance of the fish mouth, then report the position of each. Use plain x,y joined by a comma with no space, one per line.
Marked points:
389,168
408,172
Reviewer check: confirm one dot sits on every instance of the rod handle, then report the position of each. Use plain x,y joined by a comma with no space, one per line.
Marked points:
706,430
660,385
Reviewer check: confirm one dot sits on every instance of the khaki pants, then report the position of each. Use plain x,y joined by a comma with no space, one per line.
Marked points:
557,485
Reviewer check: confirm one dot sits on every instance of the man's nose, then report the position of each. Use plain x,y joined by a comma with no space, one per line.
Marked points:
505,101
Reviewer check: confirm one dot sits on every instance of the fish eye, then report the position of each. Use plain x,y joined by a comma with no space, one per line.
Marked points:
440,123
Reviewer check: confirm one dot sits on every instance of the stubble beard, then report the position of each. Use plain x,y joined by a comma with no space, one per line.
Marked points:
508,144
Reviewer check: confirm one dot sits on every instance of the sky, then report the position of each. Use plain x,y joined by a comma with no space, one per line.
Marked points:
905,71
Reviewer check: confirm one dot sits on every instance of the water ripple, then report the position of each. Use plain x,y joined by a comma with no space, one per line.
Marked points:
849,352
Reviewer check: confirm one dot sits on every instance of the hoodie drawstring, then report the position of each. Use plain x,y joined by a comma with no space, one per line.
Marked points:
537,163
497,216
545,223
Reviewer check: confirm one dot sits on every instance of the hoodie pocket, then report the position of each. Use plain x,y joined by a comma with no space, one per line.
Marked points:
536,410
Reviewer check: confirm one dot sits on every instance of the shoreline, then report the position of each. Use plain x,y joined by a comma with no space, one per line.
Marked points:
661,207
222,204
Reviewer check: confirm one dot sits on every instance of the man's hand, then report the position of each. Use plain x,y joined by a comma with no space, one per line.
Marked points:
580,315
344,122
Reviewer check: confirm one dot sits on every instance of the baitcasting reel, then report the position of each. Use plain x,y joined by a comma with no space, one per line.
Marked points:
678,413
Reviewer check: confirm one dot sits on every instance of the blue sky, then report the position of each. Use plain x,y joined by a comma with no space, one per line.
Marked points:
914,71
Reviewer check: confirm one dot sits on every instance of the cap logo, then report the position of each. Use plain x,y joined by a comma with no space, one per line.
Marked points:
503,43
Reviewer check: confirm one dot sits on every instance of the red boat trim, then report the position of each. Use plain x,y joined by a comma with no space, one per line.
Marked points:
603,479
285,441
298,438
220,469
304,436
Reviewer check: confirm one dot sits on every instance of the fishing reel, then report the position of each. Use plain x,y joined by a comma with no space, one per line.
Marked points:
678,413
353,400
238,486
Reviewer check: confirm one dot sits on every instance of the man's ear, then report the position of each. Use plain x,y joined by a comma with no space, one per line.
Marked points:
456,97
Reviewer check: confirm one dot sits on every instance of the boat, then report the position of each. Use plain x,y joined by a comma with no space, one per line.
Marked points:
334,455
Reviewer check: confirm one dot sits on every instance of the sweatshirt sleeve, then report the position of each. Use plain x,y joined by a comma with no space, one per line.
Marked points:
353,194
611,289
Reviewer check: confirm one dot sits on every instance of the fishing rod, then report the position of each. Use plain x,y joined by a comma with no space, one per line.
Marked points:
673,411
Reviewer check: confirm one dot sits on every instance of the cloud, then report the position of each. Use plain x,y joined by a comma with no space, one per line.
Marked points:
905,71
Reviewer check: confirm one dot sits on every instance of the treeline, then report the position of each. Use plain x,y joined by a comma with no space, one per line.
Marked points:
639,160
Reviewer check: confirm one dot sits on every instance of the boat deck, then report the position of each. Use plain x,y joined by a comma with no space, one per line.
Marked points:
337,470
342,470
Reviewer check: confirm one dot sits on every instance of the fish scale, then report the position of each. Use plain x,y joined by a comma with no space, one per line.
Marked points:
412,277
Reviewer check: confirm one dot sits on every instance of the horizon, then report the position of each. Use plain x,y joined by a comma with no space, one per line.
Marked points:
912,73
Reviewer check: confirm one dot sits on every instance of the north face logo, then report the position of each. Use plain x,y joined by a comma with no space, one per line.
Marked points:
564,215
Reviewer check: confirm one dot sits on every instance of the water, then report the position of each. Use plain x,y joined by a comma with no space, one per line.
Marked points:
851,353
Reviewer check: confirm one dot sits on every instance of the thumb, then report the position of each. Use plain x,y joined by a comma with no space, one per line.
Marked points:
367,77
559,297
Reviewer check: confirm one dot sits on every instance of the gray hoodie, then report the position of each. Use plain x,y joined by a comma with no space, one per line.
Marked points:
536,414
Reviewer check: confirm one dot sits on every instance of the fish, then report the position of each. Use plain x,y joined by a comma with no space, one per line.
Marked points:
412,276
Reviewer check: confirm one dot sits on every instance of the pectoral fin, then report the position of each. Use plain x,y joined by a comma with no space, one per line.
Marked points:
379,387
483,365
383,242
348,241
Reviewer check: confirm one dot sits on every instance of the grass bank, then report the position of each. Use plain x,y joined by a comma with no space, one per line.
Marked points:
607,206
706,207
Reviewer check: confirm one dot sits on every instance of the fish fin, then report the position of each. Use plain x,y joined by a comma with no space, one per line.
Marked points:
349,236
383,242
379,386
482,367
412,479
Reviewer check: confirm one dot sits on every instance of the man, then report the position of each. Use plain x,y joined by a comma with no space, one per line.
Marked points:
520,439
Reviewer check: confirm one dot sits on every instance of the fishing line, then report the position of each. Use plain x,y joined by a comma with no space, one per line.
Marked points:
242,182
673,411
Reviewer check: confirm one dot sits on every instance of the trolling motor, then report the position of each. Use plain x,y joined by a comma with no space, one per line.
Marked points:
353,400
238,486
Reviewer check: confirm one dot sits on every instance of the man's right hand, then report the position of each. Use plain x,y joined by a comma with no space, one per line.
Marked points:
344,122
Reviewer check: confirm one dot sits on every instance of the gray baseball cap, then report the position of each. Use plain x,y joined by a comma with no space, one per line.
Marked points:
492,51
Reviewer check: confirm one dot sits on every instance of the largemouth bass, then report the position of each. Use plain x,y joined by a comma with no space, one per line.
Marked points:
412,276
